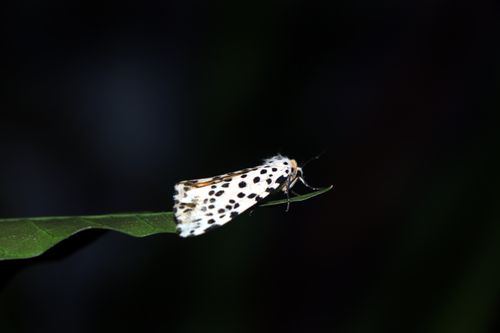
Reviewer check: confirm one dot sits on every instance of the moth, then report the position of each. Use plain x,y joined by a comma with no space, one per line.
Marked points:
204,204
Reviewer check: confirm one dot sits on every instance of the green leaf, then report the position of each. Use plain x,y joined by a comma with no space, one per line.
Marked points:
299,197
29,237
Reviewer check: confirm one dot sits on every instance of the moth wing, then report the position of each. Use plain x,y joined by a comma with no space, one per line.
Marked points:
222,198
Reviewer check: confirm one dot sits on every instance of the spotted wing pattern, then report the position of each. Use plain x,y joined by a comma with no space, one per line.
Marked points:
207,203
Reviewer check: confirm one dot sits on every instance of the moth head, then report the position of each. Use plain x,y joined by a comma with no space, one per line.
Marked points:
296,170
298,174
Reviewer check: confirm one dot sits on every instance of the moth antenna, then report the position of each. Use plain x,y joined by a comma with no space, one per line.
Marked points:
313,158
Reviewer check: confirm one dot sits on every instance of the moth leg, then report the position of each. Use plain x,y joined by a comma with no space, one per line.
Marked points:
307,185
287,192
295,193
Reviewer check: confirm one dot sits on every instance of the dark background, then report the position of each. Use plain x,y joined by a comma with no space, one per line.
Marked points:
106,105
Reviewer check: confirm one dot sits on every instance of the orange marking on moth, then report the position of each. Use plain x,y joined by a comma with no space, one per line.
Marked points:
218,179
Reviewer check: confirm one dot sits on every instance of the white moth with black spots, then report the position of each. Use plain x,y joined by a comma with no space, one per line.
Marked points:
205,204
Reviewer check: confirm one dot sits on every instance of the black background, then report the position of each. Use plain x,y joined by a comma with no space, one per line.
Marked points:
106,105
